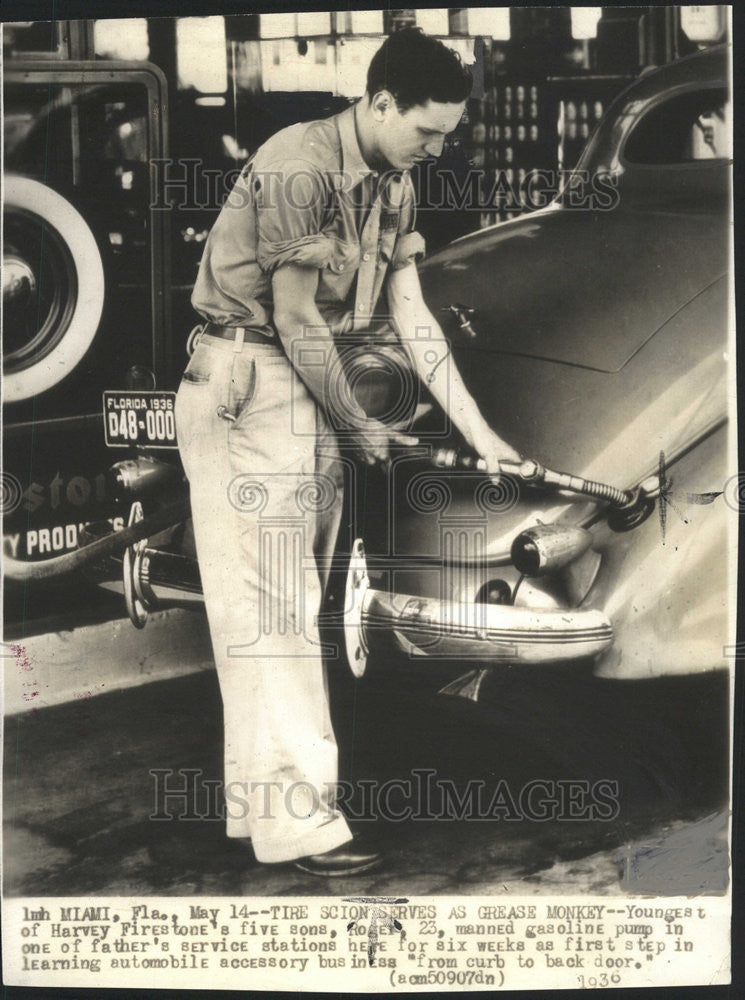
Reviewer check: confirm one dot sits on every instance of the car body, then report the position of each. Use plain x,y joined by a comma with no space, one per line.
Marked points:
594,335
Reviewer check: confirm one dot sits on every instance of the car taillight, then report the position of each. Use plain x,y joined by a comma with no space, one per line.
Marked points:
494,592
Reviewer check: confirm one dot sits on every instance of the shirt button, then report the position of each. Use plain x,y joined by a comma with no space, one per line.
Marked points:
366,256
341,267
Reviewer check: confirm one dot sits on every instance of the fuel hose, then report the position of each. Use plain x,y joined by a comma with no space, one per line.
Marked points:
532,473
117,541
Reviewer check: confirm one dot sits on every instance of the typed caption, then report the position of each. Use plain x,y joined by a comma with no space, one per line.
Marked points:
367,943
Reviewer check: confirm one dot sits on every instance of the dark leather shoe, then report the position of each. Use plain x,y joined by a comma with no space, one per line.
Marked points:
349,859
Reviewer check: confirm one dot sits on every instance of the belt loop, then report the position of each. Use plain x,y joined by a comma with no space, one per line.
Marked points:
240,333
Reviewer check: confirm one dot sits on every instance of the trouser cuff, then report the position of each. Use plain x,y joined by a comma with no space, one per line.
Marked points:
316,841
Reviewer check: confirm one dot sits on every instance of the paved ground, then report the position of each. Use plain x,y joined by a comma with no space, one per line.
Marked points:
79,793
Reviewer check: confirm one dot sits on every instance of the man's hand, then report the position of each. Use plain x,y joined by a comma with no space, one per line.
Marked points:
435,366
492,449
372,440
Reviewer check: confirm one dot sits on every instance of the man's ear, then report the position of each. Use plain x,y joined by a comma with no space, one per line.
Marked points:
381,104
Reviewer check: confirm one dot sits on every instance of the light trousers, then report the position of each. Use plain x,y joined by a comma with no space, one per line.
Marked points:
266,495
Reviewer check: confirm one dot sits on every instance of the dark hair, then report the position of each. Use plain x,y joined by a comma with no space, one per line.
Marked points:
417,68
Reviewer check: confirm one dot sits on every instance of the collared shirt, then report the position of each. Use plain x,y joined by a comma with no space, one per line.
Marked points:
308,197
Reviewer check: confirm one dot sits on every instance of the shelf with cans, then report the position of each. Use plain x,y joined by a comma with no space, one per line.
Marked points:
520,128
575,122
578,105
510,137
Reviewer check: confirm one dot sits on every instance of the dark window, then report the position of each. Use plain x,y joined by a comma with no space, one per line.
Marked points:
33,36
684,129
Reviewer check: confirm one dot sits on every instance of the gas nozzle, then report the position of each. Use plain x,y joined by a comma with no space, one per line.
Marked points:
456,458
629,507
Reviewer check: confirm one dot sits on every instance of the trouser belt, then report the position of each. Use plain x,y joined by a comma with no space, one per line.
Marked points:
240,334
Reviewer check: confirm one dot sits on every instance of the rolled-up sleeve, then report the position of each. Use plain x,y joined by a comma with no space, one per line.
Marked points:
311,251
410,246
291,202
409,249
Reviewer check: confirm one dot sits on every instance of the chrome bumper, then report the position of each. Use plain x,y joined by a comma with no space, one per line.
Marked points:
423,627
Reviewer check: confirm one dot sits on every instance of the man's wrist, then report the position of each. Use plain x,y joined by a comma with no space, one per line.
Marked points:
478,433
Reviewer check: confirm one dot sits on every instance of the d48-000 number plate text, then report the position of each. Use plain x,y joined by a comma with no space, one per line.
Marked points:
142,417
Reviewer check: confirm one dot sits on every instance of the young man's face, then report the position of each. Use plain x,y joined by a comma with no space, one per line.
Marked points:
407,137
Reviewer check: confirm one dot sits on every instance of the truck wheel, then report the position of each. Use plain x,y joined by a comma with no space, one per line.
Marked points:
53,288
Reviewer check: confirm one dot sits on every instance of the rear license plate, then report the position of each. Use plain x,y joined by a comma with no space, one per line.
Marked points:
144,417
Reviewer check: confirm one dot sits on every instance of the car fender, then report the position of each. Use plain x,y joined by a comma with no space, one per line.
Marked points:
661,585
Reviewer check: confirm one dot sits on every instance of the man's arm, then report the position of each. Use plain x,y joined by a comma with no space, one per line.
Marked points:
294,289
441,376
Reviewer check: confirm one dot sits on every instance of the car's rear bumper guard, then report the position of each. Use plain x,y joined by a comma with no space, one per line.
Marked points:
429,628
